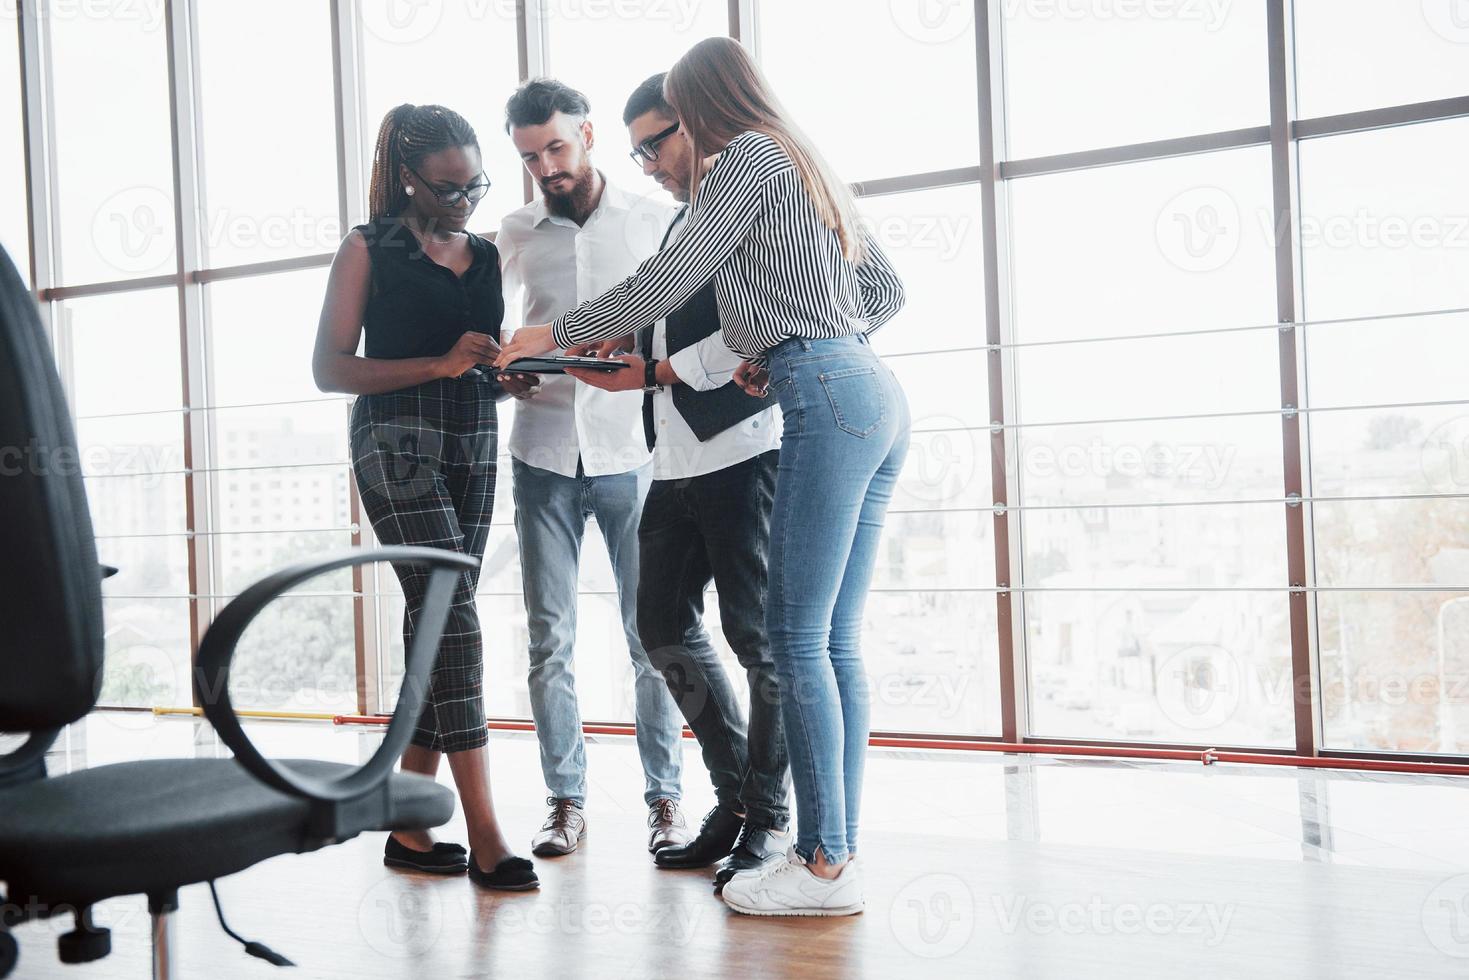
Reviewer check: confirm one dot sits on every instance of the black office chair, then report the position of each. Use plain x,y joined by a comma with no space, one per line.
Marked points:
149,827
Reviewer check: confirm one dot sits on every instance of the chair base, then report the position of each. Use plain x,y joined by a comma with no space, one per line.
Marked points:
85,943
165,949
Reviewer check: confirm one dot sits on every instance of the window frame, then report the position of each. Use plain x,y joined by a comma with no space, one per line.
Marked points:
992,174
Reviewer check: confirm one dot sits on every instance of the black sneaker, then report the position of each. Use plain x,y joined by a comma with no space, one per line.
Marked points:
754,849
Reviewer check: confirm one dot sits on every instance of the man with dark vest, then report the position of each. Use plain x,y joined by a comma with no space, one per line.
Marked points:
707,517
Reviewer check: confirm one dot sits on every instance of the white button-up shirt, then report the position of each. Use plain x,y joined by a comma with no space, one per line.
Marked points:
704,366
549,265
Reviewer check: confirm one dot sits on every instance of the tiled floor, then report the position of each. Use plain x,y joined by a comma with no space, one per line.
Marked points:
977,864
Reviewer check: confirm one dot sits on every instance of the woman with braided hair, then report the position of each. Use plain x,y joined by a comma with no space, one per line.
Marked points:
427,294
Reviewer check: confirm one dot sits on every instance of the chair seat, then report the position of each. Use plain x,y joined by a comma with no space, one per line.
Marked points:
156,825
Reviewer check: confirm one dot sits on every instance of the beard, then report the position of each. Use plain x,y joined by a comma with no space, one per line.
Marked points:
577,202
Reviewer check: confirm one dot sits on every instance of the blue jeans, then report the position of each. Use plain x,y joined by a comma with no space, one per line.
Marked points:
846,435
551,514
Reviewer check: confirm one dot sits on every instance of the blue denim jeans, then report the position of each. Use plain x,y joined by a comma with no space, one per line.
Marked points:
846,436
551,514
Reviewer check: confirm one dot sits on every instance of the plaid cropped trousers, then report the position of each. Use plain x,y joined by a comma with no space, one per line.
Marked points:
424,458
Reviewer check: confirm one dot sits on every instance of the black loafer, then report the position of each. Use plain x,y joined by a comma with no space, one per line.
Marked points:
444,859
514,874
715,838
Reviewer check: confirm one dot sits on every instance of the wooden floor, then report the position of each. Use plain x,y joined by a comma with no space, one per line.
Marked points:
977,865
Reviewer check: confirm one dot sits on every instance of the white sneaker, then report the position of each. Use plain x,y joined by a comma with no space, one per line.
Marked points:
788,887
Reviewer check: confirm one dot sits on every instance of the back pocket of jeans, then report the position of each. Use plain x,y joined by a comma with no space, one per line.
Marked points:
856,399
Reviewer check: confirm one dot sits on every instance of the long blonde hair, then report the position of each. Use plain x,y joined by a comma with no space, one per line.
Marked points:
719,92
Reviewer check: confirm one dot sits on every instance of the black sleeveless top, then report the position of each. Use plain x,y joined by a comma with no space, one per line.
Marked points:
418,308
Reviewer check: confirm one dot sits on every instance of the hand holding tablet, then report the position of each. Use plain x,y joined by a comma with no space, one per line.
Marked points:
558,365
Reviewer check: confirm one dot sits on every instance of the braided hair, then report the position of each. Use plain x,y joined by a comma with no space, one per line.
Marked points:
408,134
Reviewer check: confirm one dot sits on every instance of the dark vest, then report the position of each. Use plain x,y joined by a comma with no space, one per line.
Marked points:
708,413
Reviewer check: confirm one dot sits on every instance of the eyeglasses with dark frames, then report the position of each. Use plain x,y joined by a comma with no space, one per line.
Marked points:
474,192
648,148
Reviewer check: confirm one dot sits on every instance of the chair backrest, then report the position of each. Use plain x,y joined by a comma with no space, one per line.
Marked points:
51,639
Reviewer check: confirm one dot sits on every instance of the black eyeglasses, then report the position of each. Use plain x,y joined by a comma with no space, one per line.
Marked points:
648,148
474,192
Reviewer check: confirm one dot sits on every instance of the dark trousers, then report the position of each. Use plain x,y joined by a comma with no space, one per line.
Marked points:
717,527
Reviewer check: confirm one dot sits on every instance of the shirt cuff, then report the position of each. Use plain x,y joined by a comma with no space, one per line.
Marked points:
559,333
690,370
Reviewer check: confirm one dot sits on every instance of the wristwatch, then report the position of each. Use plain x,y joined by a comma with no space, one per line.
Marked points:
650,375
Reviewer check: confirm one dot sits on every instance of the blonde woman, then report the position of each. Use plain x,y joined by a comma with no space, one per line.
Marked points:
799,287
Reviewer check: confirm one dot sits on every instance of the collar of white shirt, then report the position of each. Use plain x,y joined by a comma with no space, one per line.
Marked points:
568,421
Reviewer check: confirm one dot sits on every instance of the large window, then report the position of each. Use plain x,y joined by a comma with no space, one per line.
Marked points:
1366,54
270,179
885,88
1385,235
930,618
1132,380
1146,464
127,392
1085,75
280,489
114,186
14,235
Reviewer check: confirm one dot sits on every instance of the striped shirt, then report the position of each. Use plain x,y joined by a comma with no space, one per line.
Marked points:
778,271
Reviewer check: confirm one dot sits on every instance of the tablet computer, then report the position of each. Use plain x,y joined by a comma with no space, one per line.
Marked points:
558,365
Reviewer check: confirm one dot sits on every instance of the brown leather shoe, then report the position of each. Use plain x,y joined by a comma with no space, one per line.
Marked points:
666,826
564,828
